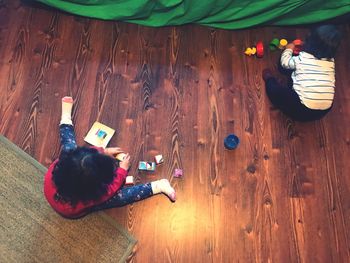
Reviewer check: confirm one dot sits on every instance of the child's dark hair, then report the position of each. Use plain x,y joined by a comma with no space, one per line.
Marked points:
323,41
83,175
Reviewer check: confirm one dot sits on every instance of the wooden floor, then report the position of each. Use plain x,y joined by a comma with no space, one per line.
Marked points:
282,196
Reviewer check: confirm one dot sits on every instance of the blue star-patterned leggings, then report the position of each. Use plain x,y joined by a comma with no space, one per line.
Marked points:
67,137
125,195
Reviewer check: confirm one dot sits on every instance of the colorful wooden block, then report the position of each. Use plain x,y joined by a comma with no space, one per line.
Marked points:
178,173
147,166
159,159
129,180
120,156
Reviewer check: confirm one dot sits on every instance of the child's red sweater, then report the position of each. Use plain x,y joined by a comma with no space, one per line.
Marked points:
80,209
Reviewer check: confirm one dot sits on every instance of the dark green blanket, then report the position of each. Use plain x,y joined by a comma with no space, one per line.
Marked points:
228,14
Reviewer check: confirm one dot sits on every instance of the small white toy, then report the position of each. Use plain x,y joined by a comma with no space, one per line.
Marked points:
129,180
159,159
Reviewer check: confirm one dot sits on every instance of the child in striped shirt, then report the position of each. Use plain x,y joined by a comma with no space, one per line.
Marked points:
311,95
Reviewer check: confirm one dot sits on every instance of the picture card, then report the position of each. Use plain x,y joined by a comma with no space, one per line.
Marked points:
99,135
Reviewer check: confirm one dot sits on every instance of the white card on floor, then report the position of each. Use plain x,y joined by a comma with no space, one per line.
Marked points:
99,135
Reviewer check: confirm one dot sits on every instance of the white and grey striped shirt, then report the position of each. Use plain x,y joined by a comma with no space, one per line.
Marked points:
313,79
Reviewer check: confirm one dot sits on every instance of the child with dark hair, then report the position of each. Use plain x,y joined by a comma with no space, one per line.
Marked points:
84,180
310,94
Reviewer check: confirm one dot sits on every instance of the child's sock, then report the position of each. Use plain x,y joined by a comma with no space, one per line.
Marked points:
67,105
163,186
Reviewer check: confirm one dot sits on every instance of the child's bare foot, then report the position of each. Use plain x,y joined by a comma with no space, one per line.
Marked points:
67,105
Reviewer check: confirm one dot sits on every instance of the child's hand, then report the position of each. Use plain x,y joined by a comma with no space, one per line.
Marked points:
290,46
125,164
112,151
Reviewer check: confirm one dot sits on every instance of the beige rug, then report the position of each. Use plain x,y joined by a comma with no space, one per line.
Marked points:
30,231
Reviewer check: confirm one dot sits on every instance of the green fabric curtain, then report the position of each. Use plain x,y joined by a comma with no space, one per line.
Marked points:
227,14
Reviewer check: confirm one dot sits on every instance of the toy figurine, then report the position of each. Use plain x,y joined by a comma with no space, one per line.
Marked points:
250,51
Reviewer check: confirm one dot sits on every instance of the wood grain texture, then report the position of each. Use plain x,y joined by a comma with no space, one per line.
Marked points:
282,196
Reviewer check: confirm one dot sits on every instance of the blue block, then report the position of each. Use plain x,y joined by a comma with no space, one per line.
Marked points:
147,166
